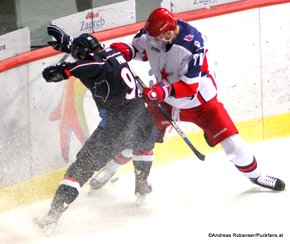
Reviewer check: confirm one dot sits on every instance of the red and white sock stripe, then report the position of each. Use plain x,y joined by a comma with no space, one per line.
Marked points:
71,182
143,156
251,170
121,159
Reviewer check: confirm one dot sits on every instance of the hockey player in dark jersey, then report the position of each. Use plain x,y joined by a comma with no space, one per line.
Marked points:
126,123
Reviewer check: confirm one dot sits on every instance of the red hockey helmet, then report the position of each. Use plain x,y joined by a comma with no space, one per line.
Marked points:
160,21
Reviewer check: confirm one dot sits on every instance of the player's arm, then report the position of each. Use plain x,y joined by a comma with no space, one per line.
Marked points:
62,41
127,49
82,69
131,50
188,84
85,69
55,73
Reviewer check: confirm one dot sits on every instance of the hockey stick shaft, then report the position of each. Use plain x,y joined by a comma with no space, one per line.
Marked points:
199,155
64,57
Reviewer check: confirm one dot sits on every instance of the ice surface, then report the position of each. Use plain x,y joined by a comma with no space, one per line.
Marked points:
190,200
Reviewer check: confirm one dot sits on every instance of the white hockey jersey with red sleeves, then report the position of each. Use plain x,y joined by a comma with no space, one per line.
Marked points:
183,60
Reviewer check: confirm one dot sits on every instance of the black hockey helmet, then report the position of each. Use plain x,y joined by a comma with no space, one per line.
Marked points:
83,45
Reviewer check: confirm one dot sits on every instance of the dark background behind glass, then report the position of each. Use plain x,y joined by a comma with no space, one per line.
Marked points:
37,14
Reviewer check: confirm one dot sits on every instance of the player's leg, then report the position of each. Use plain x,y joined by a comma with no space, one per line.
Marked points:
67,191
144,143
239,153
107,172
142,164
237,150
89,159
161,122
218,128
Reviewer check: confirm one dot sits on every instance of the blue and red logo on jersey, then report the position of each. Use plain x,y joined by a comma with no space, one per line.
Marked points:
188,38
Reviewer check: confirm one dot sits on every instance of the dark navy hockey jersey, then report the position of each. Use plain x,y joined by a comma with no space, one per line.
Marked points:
109,78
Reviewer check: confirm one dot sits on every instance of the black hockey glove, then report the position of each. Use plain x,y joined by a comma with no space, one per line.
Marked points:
63,41
55,73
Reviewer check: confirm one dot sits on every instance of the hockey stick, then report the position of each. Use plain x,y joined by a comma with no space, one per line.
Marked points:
64,57
173,123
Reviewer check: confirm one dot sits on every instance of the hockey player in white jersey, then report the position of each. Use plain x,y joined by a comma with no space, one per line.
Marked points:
177,52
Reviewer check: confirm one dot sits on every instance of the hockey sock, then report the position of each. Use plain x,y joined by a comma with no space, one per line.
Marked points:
65,194
238,152
142,163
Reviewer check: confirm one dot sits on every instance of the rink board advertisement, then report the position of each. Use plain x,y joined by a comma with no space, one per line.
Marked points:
14,42
99,19
177,6
43,125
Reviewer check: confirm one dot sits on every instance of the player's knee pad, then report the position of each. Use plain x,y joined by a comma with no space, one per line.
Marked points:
124,157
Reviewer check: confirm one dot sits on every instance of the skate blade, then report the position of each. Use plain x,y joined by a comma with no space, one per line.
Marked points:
92,192
140,199
46,229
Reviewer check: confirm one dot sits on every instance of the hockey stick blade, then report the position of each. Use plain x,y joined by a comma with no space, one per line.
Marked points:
197,153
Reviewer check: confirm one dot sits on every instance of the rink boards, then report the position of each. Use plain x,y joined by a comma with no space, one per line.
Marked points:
253,85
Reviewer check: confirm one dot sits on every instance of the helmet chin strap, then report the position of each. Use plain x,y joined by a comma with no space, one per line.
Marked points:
168,41
161,42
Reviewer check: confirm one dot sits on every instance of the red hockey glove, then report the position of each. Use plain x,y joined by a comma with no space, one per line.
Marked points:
160,91
126,49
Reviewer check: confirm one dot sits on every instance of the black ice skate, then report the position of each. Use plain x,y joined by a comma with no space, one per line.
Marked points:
269,182
142,188
48,222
